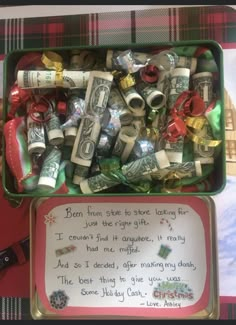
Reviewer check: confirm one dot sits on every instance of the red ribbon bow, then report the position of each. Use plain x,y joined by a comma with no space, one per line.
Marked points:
189,103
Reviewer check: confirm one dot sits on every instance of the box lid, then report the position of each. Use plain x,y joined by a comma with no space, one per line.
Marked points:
145,257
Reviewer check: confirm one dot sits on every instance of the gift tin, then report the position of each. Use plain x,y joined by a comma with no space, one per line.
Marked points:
219,174
123,258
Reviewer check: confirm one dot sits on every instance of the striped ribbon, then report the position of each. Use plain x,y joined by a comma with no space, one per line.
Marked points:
14,308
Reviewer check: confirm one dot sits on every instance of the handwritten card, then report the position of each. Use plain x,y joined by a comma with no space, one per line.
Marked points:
143,257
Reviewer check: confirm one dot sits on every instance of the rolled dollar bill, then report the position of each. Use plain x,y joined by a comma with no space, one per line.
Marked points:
75,110
50,169
203,84
118,107
187,62
153,97
183,170
139,120
174,150
115,100
203,153
132,98
80,173
145,165
179,83
52,79
125,143
82,60
141,148
163,83
35,135
132,171
85,142
105,144
96,99
164,60
53,127
97,183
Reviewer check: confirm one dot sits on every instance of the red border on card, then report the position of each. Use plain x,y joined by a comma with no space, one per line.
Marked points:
195,203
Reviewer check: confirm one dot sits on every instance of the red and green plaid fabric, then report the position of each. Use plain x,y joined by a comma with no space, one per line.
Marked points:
145,26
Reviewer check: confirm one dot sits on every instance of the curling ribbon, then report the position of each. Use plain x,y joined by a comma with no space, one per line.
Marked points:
127,81
40,107
149,73
111,168
53,61
169,181
29,61
17,97
188,103
61,107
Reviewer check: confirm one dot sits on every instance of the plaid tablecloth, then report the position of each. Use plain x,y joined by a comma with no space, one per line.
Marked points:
145,26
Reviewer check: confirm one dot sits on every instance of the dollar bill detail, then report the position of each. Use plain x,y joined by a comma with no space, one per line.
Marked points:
174,150
96,99
50,169
183,170
203,153
179,83
203,84
35,136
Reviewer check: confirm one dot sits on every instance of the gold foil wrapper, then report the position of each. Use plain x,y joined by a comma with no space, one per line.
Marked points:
52,61
127,81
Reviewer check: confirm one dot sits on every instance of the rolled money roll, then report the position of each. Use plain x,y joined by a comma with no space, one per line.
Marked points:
104,145
85,142
153,97
115,100
163,83
125,142
80,173
141,148
132,171
118,107
139,120
174,150
132,98
96,99
50,169
97,183
82,60
52,79
203,84
179,83
165,60
75,110
183,170
187,62
203,153
35,136
140,58
145,165
70,135
53,128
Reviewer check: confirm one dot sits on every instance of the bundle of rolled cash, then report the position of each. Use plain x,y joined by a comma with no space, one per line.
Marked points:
144,112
